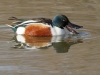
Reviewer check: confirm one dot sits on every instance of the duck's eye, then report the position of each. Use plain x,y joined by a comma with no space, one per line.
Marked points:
64,20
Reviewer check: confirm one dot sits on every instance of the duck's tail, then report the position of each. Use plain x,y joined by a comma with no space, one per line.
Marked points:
13,18
11,26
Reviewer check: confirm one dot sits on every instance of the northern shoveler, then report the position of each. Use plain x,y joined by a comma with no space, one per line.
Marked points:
43,26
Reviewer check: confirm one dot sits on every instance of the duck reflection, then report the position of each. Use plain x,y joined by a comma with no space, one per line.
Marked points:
28,42
59,43
63,47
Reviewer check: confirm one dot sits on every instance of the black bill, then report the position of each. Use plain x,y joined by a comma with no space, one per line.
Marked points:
70,27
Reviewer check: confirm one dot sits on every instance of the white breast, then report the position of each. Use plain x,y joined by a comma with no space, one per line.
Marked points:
57,31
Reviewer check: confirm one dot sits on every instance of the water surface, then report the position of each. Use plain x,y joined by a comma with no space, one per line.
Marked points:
72,56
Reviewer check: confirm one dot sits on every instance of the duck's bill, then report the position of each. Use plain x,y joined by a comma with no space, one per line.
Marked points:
75,26
70,29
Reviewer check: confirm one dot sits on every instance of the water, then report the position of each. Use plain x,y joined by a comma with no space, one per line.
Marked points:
75,55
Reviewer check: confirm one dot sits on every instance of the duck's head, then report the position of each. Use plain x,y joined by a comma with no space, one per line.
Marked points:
62,21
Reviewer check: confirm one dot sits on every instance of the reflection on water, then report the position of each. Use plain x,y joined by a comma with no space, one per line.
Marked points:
57,42
80,59
28,42
63,47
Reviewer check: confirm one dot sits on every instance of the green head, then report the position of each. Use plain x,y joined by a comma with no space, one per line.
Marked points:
60,21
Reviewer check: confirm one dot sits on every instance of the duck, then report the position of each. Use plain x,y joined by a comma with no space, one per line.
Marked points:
43,26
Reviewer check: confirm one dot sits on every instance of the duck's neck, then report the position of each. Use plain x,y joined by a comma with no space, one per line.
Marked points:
57,31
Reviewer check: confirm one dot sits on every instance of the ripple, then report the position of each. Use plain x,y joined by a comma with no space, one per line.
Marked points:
5,32
9,68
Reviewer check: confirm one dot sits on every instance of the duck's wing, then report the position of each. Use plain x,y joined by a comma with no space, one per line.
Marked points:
20,22
43,20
